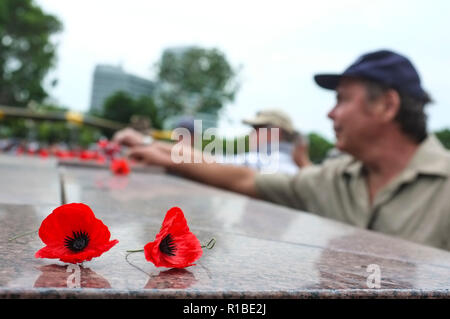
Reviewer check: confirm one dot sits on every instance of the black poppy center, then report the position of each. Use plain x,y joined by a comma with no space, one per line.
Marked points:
167,245
77,242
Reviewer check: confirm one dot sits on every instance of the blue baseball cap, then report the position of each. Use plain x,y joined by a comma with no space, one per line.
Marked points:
384,67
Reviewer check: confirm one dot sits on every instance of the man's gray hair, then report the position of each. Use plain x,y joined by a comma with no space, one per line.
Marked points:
411,115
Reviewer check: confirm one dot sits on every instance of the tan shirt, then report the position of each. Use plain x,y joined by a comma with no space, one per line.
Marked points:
415,205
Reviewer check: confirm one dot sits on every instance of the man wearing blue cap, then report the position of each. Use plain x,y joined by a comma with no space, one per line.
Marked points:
395,179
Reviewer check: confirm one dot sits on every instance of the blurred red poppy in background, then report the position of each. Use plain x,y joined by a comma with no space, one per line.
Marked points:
175,246
63,154
73,234
111,150
120,167
103,143
88,155
43,152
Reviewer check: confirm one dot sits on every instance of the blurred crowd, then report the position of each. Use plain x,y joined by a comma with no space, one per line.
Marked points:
101,152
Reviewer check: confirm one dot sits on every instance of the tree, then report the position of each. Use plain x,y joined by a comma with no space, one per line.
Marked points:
50,131
121,106
444,137
194,80
26,52
318,147
145,106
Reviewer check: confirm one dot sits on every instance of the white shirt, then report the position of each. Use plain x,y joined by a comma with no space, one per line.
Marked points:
267,162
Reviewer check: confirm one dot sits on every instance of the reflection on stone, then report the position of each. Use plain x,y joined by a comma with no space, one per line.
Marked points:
172,279
112,183
69,276
341,269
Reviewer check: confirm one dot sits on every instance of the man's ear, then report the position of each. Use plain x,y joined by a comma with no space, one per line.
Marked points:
391,100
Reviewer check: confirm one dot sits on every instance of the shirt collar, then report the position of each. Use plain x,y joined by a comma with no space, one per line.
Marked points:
431,158
353,168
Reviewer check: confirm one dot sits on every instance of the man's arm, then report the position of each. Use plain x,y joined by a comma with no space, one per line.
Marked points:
235,178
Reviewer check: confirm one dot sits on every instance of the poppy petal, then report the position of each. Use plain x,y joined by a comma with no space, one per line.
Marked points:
151,254
175,221
66,219
188,250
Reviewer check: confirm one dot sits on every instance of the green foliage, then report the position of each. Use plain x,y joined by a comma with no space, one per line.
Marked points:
49,132
121,106
50,108
26,53
87,136
194,80
145,106
318,147
444,137
13,128
52,132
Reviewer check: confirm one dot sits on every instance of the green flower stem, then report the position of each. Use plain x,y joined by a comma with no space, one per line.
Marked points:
23,234
210,244
135,251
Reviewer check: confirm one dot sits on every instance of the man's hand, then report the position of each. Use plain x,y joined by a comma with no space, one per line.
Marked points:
300,154
151,155
128,137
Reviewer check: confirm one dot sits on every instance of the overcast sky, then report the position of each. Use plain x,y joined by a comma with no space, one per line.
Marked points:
280,45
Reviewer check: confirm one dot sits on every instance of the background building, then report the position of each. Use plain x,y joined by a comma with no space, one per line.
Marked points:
109,79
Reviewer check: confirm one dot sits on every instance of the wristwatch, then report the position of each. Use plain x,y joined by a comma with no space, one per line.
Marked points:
147,140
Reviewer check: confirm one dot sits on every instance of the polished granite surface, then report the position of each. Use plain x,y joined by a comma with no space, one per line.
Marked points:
262,250
28,180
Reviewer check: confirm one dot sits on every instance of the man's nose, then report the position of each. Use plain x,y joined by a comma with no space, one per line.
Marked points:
332,112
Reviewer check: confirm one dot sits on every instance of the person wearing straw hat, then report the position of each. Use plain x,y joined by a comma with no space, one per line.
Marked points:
261,142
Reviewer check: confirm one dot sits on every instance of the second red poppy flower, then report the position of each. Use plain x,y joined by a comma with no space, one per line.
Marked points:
175,246
120,167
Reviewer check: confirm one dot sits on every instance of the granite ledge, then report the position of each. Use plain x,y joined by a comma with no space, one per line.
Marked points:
93,293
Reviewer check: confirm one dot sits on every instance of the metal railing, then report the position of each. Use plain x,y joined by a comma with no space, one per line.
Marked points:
69,116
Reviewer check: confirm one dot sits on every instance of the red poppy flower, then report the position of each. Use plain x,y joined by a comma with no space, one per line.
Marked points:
175,246
88,155
43,153
20,150
73,234
74,153
63,154
111,150
120,167
103,143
